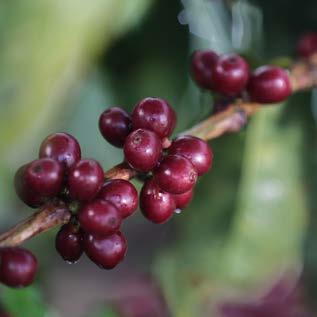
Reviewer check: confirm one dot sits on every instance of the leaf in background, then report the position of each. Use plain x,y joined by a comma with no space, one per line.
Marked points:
219,252
209,20
246,27
26,302
48,45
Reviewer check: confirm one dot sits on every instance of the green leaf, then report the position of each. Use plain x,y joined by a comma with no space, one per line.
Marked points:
26,302
247,224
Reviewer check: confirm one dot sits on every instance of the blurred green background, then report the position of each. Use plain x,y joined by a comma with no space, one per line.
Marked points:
252,220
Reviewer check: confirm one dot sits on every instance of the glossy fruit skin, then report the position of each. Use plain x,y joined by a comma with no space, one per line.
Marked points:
121,194
196,150
18,267
202,63
156,205
307,45
106,252
154,114
69,242
44,177
183,200
100,217
142,150
176,174
28,196
115,125
61,147
269,84
85,180
230,74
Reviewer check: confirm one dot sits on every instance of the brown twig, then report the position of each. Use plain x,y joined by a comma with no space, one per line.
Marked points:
48,217
303,76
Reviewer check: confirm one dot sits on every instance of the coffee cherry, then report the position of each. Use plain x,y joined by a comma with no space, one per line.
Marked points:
142,150
115,125
269,84
61,147
106,252
202,63
230,74
195,150
85,180
183,200
176,174
28,196
68,243
307,45
156,205
44,177
121,194
17,267
100,217
156,115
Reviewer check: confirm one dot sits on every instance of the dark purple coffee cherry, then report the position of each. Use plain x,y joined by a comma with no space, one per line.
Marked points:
307,45
121,194
44,177
106,252
17,267
154,114
85,180
269,84
202,63
100,217
156,205
69,242
196,150
176,174
230,74
28,196
183,200
61,147
115,125
38,181
142,150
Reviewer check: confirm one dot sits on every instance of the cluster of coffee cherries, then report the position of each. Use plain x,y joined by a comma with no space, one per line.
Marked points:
230,76
169,170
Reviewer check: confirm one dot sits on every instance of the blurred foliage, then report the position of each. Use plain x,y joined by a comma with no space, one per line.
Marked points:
26,302
65,62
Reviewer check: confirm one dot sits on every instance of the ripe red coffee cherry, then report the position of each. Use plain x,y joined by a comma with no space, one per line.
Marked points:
156,115
183,200
176,174
202,63
156,205
142,150
121,194
269,84
307,45
100,217
29,197
17,267
115,125
230,74
196,150
44,177
61,147
106,252
85,180
68,242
